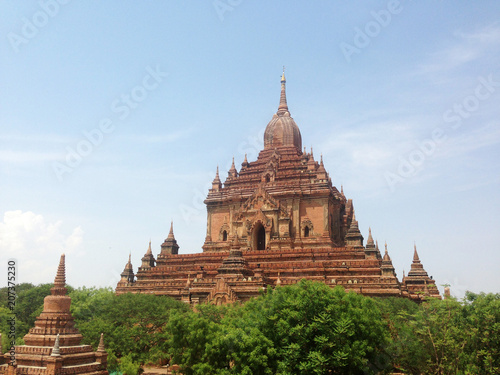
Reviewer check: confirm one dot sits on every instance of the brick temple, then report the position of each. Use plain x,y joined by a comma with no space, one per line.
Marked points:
53,346
277,220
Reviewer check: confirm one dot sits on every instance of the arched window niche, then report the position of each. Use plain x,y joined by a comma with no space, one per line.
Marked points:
259,237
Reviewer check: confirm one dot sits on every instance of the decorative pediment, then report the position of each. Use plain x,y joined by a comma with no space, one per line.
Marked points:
275,156
260,217
222,293
260,200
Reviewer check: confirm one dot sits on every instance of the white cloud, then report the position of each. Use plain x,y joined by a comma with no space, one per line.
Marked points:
36,244
362,155
468,47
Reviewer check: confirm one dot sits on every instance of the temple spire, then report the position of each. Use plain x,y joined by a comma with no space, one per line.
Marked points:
386,267
321,171
59,288
101,347
354,236
415,254
56,351
386,254
283,107
127,276
245,163
148,260
171,232
60,280
417,269
369,241
216,183
232,172
169,246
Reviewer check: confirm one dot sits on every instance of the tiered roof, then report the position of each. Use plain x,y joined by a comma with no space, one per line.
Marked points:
273,194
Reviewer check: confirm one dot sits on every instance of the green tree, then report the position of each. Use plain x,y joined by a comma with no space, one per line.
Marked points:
128,366
407,351
133,324
482,313
191,333
306,328
319,330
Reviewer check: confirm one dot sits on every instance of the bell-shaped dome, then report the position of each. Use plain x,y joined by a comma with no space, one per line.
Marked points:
282,129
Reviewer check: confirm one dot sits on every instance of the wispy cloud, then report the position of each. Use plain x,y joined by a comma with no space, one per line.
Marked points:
466,48
159,138
370,145
471,141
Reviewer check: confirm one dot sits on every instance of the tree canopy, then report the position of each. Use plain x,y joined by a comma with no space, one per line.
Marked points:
307,328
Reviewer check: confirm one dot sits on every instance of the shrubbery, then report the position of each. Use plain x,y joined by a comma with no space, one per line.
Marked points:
307,328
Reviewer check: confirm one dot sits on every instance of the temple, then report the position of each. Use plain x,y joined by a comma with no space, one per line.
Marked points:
277,220
54,346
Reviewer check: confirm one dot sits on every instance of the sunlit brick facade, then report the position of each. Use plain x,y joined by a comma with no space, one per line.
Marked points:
275,221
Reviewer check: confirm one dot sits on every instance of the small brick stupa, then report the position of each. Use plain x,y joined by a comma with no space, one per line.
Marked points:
53,346
418,283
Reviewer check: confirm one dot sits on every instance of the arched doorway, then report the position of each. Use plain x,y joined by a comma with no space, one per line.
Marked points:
259,237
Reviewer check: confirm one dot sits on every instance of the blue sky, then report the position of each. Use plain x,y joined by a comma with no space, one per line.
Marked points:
114,116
